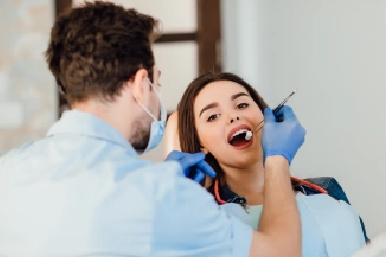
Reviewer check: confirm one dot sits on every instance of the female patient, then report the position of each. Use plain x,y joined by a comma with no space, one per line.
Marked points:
214,115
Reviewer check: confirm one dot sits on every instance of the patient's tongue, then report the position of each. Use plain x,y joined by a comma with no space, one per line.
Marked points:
239,142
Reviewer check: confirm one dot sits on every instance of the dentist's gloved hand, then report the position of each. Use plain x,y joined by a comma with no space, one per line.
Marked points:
194,161
283,137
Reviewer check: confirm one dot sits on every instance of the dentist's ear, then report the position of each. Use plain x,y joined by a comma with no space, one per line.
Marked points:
136,84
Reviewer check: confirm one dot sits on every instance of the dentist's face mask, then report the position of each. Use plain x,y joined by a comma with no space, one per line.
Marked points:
157,127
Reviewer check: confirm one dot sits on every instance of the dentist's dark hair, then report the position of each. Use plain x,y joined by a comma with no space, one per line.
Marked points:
96,47
188,136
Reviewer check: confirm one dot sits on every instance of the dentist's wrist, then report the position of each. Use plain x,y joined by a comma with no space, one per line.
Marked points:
282,153
277,161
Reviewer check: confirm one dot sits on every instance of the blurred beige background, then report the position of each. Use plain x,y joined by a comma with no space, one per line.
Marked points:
27,92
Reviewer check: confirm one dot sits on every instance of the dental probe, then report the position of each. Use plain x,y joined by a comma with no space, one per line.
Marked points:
284,101
248,135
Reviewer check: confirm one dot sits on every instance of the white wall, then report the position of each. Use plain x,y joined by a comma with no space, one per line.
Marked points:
334,53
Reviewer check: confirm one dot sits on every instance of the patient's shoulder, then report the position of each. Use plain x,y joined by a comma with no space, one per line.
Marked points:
323,203
337,221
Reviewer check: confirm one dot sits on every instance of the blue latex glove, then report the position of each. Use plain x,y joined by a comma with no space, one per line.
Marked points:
283,137
196,161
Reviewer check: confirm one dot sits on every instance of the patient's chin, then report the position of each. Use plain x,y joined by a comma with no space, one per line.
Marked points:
239,163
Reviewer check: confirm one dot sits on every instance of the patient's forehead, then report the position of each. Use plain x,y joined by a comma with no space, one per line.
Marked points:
219,91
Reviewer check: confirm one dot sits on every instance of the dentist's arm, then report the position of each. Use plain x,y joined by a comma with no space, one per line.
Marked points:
279,227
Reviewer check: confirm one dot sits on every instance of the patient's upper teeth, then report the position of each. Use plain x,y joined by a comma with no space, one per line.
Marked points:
238,132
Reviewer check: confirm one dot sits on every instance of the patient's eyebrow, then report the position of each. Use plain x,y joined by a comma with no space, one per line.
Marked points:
214,105
207,107
234,97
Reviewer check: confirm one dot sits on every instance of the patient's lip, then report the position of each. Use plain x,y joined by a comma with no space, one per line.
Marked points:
235,129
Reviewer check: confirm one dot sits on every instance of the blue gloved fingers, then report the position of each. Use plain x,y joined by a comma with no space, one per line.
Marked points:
279,115
280,111
191,160
282,138
176,155
206,168
303,131
268,115
199,176
288,113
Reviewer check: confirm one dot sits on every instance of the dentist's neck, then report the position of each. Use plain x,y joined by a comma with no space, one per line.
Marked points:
248,182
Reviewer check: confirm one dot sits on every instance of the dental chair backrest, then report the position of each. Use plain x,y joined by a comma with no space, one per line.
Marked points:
335,190
172,141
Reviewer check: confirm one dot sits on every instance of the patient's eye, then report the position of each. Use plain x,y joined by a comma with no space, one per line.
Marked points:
212,117
242,105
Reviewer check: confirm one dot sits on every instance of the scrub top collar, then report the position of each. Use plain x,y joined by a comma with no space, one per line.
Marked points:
83,123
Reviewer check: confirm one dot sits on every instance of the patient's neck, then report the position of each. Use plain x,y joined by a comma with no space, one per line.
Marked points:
248,183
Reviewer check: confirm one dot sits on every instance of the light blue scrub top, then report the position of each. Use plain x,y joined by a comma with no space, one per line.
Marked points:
330,228
83,191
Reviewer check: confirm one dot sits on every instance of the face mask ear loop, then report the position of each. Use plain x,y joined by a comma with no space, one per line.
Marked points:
152,85
163,112
143,107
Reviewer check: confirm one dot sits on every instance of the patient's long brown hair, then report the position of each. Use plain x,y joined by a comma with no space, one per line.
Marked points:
189,140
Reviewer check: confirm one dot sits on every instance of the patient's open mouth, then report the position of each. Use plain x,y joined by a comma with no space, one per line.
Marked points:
240,137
